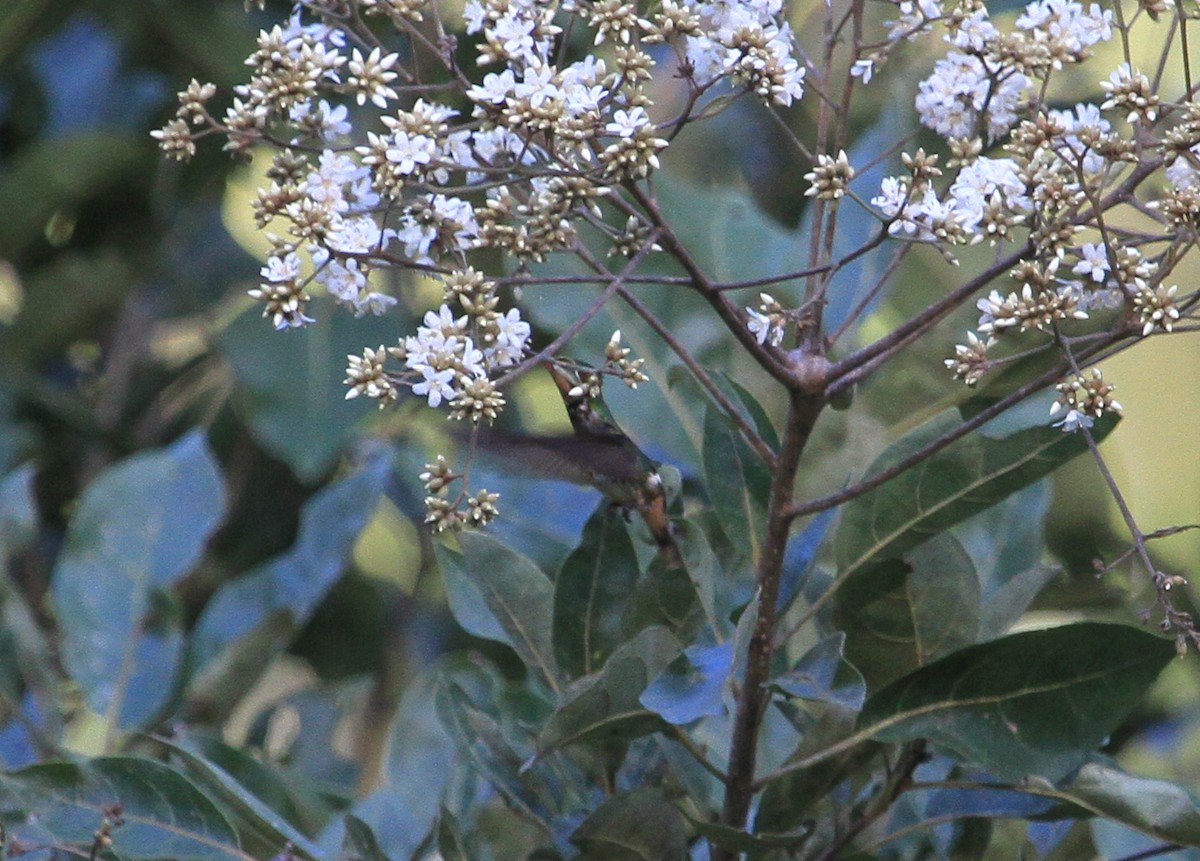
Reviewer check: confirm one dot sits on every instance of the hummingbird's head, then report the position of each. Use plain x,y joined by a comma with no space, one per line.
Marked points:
579,385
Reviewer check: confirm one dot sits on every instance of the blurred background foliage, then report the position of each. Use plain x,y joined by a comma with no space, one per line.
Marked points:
124,329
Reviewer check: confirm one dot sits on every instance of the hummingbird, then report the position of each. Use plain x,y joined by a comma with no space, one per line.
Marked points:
599,454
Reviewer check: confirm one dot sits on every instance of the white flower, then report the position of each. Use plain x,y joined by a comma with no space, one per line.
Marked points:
329,122
863,69
435,385
356,235
626,124
512,333
444,322
495,89
406,152
763,329
281,269
373,303
342,281
1093,262
1073,421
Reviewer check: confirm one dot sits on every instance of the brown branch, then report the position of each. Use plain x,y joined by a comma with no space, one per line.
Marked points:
753,697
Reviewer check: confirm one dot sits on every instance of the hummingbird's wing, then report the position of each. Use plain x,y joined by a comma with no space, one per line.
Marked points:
580,460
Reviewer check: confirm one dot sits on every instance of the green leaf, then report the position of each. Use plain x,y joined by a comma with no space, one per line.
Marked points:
422,762
901,614
608,708
138,528
265,608
18,514
639,825
693,685
451,842
1163,810
1034,703
963,479
291,384
806,794
360,843
669,596
481,742
824,675
738,483
497,593
1006,543
758,415
260,827
591,592
165,816
753,846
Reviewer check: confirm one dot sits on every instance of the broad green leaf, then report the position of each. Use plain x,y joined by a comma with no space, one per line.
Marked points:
138,528
607,708
972,792
451,842
481,742
422,762
702,567
497,593
1106,838
1004,606
1158,808
797,796
762,422
291,383
1007,539
693,685
1034,703
738,483
1006,543
260,827
590,594
639,825
902,614
360,842
165,817
18,515
266,607
672,597
800,556
753,846
963,479
824,675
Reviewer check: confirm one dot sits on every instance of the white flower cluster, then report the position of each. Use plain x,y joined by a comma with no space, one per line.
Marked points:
745,40
987,195
977,88
413,182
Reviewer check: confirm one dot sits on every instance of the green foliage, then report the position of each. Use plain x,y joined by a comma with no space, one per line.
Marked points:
190,521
